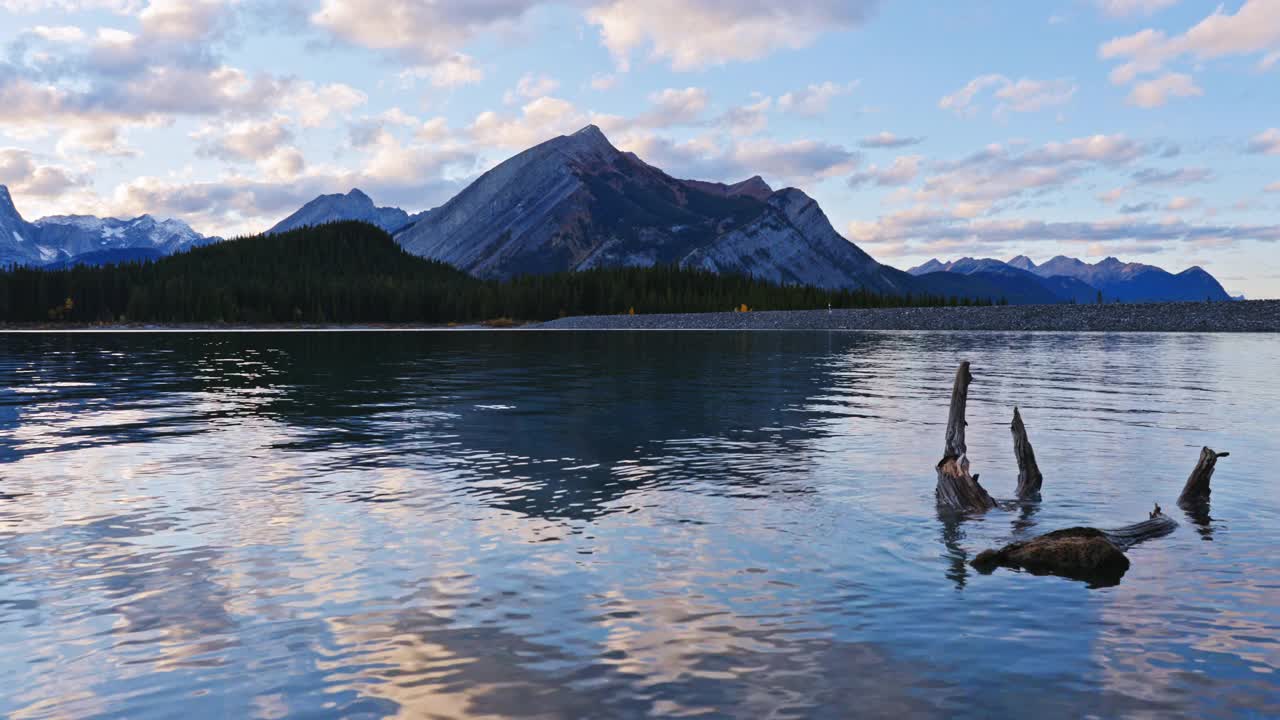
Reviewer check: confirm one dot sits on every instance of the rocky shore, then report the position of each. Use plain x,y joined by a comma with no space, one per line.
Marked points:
1249,316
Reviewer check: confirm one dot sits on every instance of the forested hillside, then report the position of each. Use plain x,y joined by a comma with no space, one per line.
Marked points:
352,272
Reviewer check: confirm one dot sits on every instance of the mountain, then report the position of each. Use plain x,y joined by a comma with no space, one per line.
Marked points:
1009,281
355,205
1071,279
1136,282
83,239
17,236
576,202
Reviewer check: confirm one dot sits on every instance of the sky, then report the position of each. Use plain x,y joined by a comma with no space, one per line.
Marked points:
1143,129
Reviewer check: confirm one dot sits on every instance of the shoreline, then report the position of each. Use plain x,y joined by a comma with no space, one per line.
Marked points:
1248,316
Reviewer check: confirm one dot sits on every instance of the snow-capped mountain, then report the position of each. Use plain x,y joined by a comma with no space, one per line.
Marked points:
72,239
355,205
1071,278
577,202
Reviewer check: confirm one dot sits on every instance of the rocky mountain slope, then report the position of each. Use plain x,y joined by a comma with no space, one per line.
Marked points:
576,202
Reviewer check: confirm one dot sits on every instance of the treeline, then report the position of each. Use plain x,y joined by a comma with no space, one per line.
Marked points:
355,273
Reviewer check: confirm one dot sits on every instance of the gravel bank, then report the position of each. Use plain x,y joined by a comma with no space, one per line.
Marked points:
1251,316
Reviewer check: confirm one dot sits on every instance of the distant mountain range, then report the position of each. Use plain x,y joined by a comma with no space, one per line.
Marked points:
64,240
576,202
1070,280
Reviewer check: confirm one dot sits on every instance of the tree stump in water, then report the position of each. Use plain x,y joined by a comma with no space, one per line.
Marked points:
1029,477
1079,553
1196,491
956,487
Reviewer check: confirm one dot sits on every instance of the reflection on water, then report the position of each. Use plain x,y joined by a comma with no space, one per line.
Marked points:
620,525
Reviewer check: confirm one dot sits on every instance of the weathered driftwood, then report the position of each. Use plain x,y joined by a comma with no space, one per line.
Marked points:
1029,477
1196,491
1080,553
956,487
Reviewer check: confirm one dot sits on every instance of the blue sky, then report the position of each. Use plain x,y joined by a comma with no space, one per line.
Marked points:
1145,129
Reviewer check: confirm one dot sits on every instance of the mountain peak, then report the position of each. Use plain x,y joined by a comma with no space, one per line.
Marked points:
359,195
1022,262
6,201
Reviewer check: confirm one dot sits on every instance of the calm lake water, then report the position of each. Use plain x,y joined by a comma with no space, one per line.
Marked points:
525,524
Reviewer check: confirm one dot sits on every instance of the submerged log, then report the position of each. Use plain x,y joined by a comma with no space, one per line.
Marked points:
1196,491
1029,477
1079,553
956,487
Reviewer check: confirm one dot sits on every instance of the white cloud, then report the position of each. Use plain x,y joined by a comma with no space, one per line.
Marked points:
747,119
313,104
800,162
603,81
1155,93
1022,95
95,138
902,172
674,106
59,33
244,141
1253,29
24,175
815,99
538,121
693,34
426,31
1182,202
887,139
185,19
1272,188
453,71
1126,8
1266,142
531,86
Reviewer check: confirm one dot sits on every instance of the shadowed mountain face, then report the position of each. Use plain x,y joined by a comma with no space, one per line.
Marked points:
66,240
1069,279
576,202
355,205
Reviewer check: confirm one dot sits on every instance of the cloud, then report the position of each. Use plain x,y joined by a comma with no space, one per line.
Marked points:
999,173
424,31
1155,93
20,171
1266,142
603,81
921,231
747,119
1253,29
120,7
903,170
531,86
101,140
815,99
1182,202
245,141
1022,95
800,162
694,34
673,107
538,121
1180,176
1127,8
59,33
314,104
888,140
1272,188
187,20
454,71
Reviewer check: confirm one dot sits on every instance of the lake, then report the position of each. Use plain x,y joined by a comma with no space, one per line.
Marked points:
538,524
